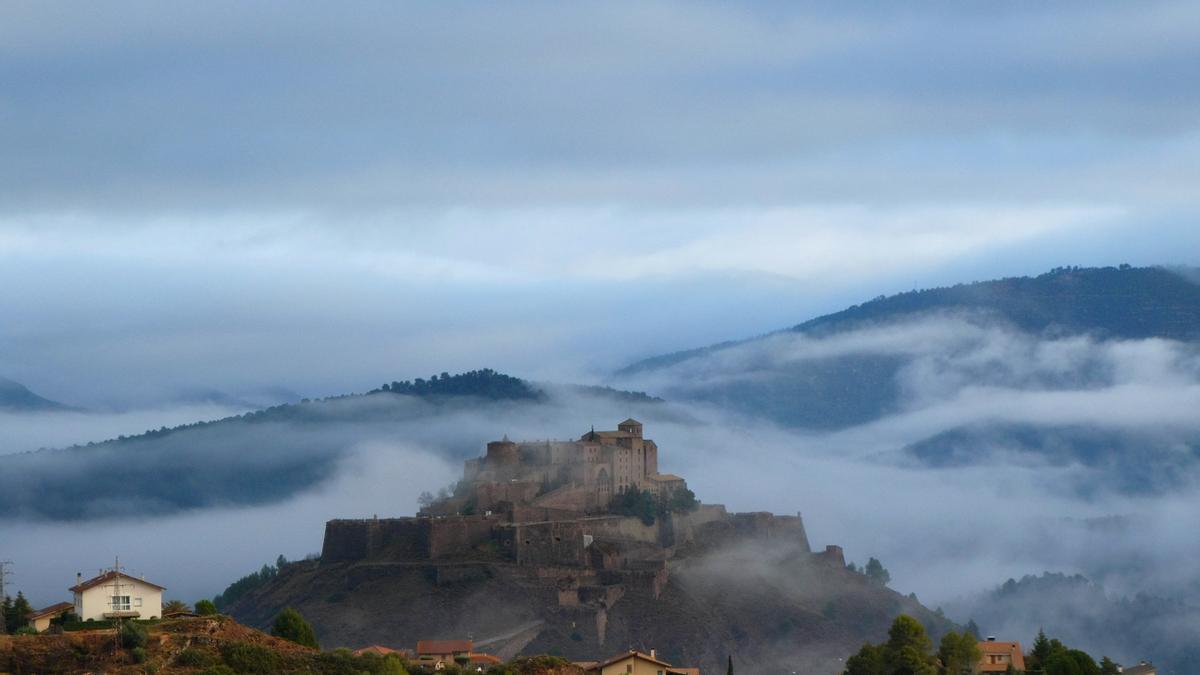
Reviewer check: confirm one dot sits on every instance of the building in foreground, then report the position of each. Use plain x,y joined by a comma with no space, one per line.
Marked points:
40,620
635,663
116,595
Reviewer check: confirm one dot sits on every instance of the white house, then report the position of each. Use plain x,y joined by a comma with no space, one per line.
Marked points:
116,595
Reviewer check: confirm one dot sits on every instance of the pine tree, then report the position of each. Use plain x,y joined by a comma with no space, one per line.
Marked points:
1109,667
973,628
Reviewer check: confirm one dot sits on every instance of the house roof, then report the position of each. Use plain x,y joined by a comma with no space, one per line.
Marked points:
380,650
53,610
442,646
634,654
485,658
630,421
664,477
1143,668
107,577
1012,649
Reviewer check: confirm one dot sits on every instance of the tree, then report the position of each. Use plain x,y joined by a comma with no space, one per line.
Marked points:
973,628
868,661
16,613
729,668
171,606
1061,663
290,626
909,650
959,653
877,573
205,608
1109,667
1039,653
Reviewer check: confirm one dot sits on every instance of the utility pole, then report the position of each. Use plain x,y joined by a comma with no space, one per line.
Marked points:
5,568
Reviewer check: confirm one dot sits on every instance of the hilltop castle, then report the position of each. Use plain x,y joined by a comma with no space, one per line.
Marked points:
580,476
548,512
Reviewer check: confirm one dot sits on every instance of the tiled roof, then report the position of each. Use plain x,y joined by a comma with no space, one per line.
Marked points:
634,654
442,646
107,577
52,610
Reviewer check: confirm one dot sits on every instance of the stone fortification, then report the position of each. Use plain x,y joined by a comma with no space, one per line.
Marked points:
546,512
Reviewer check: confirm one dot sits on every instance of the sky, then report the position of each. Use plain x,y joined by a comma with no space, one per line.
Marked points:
213,206
304,199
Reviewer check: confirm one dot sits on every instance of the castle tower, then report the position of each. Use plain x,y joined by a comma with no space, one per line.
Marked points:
502,453
631,426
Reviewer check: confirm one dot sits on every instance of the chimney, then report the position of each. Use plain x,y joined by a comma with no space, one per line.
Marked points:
654,653
78,578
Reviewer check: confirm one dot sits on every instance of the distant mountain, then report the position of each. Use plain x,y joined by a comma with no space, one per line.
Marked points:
854,366
276,453
1135,462
16,396
1108,302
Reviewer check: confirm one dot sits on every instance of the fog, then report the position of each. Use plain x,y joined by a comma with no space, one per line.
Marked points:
942,531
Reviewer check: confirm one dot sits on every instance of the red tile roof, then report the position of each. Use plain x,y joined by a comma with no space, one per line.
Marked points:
435,647
106,577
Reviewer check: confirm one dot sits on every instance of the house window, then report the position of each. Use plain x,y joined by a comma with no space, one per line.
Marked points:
120,603
137,602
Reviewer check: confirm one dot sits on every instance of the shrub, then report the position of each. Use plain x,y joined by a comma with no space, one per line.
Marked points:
292,627
219,669
205,607
138,654
134,635
250,659
195,658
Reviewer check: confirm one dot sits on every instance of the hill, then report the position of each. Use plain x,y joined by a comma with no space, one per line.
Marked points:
15,396
872,360
1109,302
273,454
772,608
215,645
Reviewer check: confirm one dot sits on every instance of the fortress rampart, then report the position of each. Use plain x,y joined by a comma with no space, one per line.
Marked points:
548,512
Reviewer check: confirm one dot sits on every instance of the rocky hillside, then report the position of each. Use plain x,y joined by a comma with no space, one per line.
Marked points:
771,607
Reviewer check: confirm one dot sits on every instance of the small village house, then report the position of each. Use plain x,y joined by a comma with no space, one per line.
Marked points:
1142,668
636,663
998,656
116,595
40,620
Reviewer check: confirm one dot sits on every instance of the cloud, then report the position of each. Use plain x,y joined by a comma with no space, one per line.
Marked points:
141,109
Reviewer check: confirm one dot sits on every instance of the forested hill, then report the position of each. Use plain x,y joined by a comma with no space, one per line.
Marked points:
16,396
1108,302
273,454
